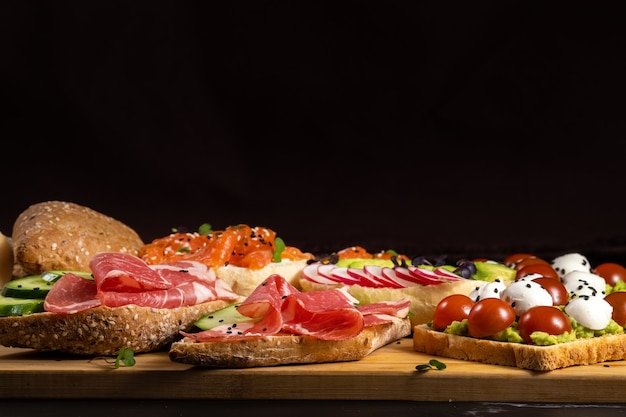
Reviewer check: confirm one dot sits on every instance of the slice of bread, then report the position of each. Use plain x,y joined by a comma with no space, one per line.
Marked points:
103,330
244,280
537,358
62,235
277,350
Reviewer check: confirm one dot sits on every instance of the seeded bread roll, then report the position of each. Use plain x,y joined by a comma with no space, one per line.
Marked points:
61,235
286,349
103,330
537,358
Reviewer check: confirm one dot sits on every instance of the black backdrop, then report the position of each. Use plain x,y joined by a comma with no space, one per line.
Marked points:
476,128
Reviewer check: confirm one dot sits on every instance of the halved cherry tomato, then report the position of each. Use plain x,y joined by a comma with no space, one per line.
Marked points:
454,307
513,259
489,316
618,301
555,287
546,319
611,272
530,261
544,270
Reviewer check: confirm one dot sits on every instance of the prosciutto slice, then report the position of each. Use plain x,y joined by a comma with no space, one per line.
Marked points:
121,279
280,308
74,294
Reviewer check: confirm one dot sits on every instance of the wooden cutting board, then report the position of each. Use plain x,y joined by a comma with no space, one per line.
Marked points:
387,374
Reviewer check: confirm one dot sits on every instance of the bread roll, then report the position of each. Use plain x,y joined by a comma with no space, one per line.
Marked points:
537,358
103,330
61,235
286,349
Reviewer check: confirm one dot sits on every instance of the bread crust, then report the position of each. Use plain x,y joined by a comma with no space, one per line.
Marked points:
286,349
63,235
103,330
536,358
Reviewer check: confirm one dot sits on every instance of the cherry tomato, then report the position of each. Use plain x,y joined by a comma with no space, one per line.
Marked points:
489,316
541,269
556,289
546,319
511,260
451,308
530,261
618,301
611,272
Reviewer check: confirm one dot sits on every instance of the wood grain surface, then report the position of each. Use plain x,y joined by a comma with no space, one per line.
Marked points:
387,374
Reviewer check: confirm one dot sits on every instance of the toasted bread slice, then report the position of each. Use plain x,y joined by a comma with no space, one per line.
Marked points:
537,358
287,349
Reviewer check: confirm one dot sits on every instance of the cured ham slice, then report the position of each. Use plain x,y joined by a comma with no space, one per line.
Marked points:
120,272
326,314
122,279
276,307
74,294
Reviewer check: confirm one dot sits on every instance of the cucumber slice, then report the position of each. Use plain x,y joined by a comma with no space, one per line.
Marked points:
53,276
10,306
226,315
32,287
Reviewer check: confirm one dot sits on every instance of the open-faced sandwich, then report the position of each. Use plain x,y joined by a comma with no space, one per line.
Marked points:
556,314
241,255
279,325
80,287
387,276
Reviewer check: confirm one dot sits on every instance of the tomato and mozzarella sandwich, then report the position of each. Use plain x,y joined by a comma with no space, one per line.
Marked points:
570,314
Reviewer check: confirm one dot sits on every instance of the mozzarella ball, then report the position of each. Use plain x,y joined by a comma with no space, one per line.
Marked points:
524,294
584,283
592,312
570,262
491,289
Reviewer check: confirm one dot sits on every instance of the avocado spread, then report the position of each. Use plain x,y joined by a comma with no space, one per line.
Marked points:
511,334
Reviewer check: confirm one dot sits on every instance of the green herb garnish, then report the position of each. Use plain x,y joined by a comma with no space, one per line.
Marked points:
205,229
432,364
279,247
126,356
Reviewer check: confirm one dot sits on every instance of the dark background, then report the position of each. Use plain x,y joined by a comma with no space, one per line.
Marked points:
477,128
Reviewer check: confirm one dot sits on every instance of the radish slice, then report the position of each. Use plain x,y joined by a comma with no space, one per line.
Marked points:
376,273
391,274
310,272
363,278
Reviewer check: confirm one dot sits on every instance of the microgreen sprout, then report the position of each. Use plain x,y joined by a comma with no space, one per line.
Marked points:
125,355
432,364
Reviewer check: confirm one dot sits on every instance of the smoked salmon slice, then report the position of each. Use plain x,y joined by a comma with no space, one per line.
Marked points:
239,245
